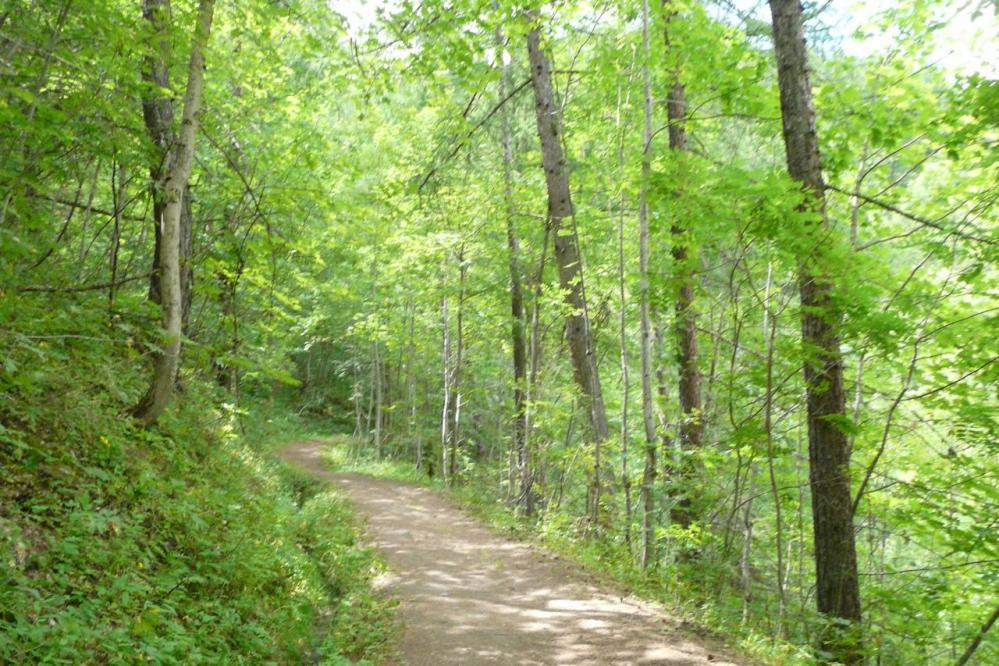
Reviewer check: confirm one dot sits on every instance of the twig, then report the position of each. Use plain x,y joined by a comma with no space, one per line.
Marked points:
89,287
472,131
887,429
956,381
943,567
909,216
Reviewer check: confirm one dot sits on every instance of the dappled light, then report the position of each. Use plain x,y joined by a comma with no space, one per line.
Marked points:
468,596
637,331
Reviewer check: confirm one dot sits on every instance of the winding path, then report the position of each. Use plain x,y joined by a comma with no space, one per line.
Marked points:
468,596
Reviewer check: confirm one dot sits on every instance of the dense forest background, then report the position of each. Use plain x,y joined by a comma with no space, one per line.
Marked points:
661,336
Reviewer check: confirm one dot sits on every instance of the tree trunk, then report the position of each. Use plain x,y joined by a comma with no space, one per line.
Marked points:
622,332
648,558
745,557
456,370
376,376
516,311
181,157
369,414
534,361
837,588
414,431
691,427
446,363
118,182
157,112
356,396
769,336
566,243
518,442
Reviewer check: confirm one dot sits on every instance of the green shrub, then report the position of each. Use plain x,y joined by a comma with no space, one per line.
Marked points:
176,544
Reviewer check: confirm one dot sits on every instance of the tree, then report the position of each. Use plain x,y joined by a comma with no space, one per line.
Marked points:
691,427
158,114
567,254
179,170
837,586
648,417
517,315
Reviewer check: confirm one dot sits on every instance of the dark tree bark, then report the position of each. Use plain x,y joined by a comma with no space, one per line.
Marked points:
691,423
566,243
180,160
837,588
518,321
158,114
977,640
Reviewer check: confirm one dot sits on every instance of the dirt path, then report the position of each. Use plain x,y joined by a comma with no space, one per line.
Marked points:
468,596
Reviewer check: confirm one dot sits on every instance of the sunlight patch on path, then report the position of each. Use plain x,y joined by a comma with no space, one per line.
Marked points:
468,596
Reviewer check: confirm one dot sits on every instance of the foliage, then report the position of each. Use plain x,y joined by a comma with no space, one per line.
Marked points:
184,543
350,182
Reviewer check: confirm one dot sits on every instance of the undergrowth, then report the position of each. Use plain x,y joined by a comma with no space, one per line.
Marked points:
558,532
186,543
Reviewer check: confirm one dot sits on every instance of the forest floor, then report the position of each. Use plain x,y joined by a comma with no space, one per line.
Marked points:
469,596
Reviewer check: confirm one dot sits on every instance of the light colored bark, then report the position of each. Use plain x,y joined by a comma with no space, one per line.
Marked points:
648,557
415,433
158,115
446,365
622,328
376,375
172,306
531,391
456,377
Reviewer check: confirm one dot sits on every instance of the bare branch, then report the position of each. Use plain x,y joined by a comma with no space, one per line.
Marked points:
472,131
909,216
90,287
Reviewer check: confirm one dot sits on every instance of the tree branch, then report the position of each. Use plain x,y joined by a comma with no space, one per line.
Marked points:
472,131
978,638
909,216
89,287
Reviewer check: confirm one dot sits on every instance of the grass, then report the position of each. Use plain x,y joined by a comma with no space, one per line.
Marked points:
611,562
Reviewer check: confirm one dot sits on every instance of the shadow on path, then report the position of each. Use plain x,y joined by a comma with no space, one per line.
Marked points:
468,596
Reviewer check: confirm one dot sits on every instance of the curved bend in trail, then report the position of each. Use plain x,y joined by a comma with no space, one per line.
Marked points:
468,596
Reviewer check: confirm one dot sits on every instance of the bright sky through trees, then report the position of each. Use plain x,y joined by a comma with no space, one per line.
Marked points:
964,43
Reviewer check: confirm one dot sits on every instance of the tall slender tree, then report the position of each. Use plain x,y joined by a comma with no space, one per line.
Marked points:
689,386
622,322
517,317
181,157
158,115
456,371
566,242
837,588
648,556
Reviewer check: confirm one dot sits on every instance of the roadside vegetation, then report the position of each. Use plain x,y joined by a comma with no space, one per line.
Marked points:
187,543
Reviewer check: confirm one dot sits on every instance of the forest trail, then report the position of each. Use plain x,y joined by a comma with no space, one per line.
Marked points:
468,596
